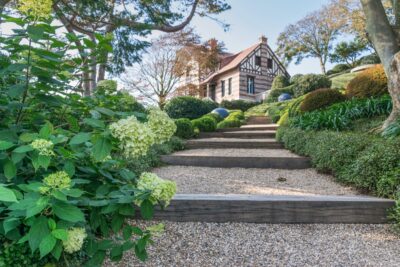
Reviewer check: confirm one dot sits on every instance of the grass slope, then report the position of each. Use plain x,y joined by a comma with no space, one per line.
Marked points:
342,80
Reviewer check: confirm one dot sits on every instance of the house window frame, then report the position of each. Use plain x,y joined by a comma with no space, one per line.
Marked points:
222,88
250,90
270,63
229,86
257,61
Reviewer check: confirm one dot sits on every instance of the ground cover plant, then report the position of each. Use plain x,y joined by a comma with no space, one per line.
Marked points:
67,188
234,119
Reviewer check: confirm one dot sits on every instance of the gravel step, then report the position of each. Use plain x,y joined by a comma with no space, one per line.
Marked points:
239,134
203,180
232,143
276,209
261,127
258,120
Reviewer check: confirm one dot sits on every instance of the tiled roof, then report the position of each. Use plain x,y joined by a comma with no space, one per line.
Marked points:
231,62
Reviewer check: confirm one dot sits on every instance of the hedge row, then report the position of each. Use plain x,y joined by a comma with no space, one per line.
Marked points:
235,119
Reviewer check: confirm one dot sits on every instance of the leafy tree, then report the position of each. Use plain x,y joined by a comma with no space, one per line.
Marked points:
311,36
383,35
348,52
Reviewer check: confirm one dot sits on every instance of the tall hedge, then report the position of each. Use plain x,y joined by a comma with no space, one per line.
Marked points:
321,98
369,83
187,107
311,82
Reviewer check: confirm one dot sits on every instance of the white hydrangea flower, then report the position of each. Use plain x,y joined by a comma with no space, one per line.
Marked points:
161,190
43,146
135,137
161,125
75,239
56,181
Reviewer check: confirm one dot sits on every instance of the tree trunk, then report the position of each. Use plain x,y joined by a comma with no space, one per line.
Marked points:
162,99
102,72
322,64
386,45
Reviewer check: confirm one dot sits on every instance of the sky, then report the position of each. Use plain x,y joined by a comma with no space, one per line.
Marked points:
249,19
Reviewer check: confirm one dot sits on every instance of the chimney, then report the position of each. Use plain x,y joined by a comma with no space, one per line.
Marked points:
213,43
263,39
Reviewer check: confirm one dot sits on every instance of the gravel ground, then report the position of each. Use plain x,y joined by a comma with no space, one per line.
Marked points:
240,244
258,125
233,140
201,180
237,152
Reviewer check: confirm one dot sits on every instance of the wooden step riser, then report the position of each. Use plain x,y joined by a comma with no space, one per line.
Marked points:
266,128
288,163
282,210
237,135
249,145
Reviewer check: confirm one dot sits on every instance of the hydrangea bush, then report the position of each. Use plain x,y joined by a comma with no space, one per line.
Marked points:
65,183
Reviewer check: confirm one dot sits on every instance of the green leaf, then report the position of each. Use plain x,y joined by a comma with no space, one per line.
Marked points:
16,90
116,253
35,32
61,234
4,145
28,137
94,123
37,232
52,224
37,207
97,259
80,138
105,111
74,192
47,245
116,223
69,167
10,170
127,210
10,224
46,130
101,149
68,212
17,157
44,161
23,149
147,209
57,250
127,232
7,195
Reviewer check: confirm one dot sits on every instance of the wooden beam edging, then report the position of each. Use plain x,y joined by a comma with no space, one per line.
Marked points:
276,209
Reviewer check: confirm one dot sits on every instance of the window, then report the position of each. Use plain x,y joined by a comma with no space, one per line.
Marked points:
258,61
222,88
250,85
269,63
230,86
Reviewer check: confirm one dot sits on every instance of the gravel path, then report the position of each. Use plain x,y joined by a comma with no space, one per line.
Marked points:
237,152
239,244
201,180
233,140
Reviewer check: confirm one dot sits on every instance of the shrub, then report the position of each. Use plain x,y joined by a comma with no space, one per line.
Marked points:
187,107
339,116
369,59
238,104
369,83
205,124
321,98
275,110
280,81
209,104
274,94
338,69
310,82
215,116
295,78
235,119
184,128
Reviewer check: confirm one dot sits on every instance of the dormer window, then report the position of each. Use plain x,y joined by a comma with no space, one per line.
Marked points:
258,61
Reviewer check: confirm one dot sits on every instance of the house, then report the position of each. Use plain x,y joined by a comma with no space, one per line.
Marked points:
247,75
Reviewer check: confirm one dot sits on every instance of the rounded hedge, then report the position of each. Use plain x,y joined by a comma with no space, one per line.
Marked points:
275,93
214,116
243,105
187,107
235,119
310,82
369,83
280,81
205,124
321,98
295,78
338,69
184,128
222,112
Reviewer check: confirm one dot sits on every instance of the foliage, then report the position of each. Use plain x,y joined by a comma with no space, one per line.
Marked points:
339,68
235,119
187,107
295,78
184,128
342,80
366,161
321,98
370,59
161,125
215,116
258,110
275,110
243,105
369,83
341,115
280,81
275,93
211,105
65,182
205,124
348,52
310,82
392,130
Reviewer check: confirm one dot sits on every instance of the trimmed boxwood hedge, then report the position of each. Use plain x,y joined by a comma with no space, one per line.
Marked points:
369,83
321,98
188,107
205,124
184,128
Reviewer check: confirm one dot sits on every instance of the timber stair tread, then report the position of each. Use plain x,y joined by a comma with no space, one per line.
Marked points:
276,209
246,134
232,143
